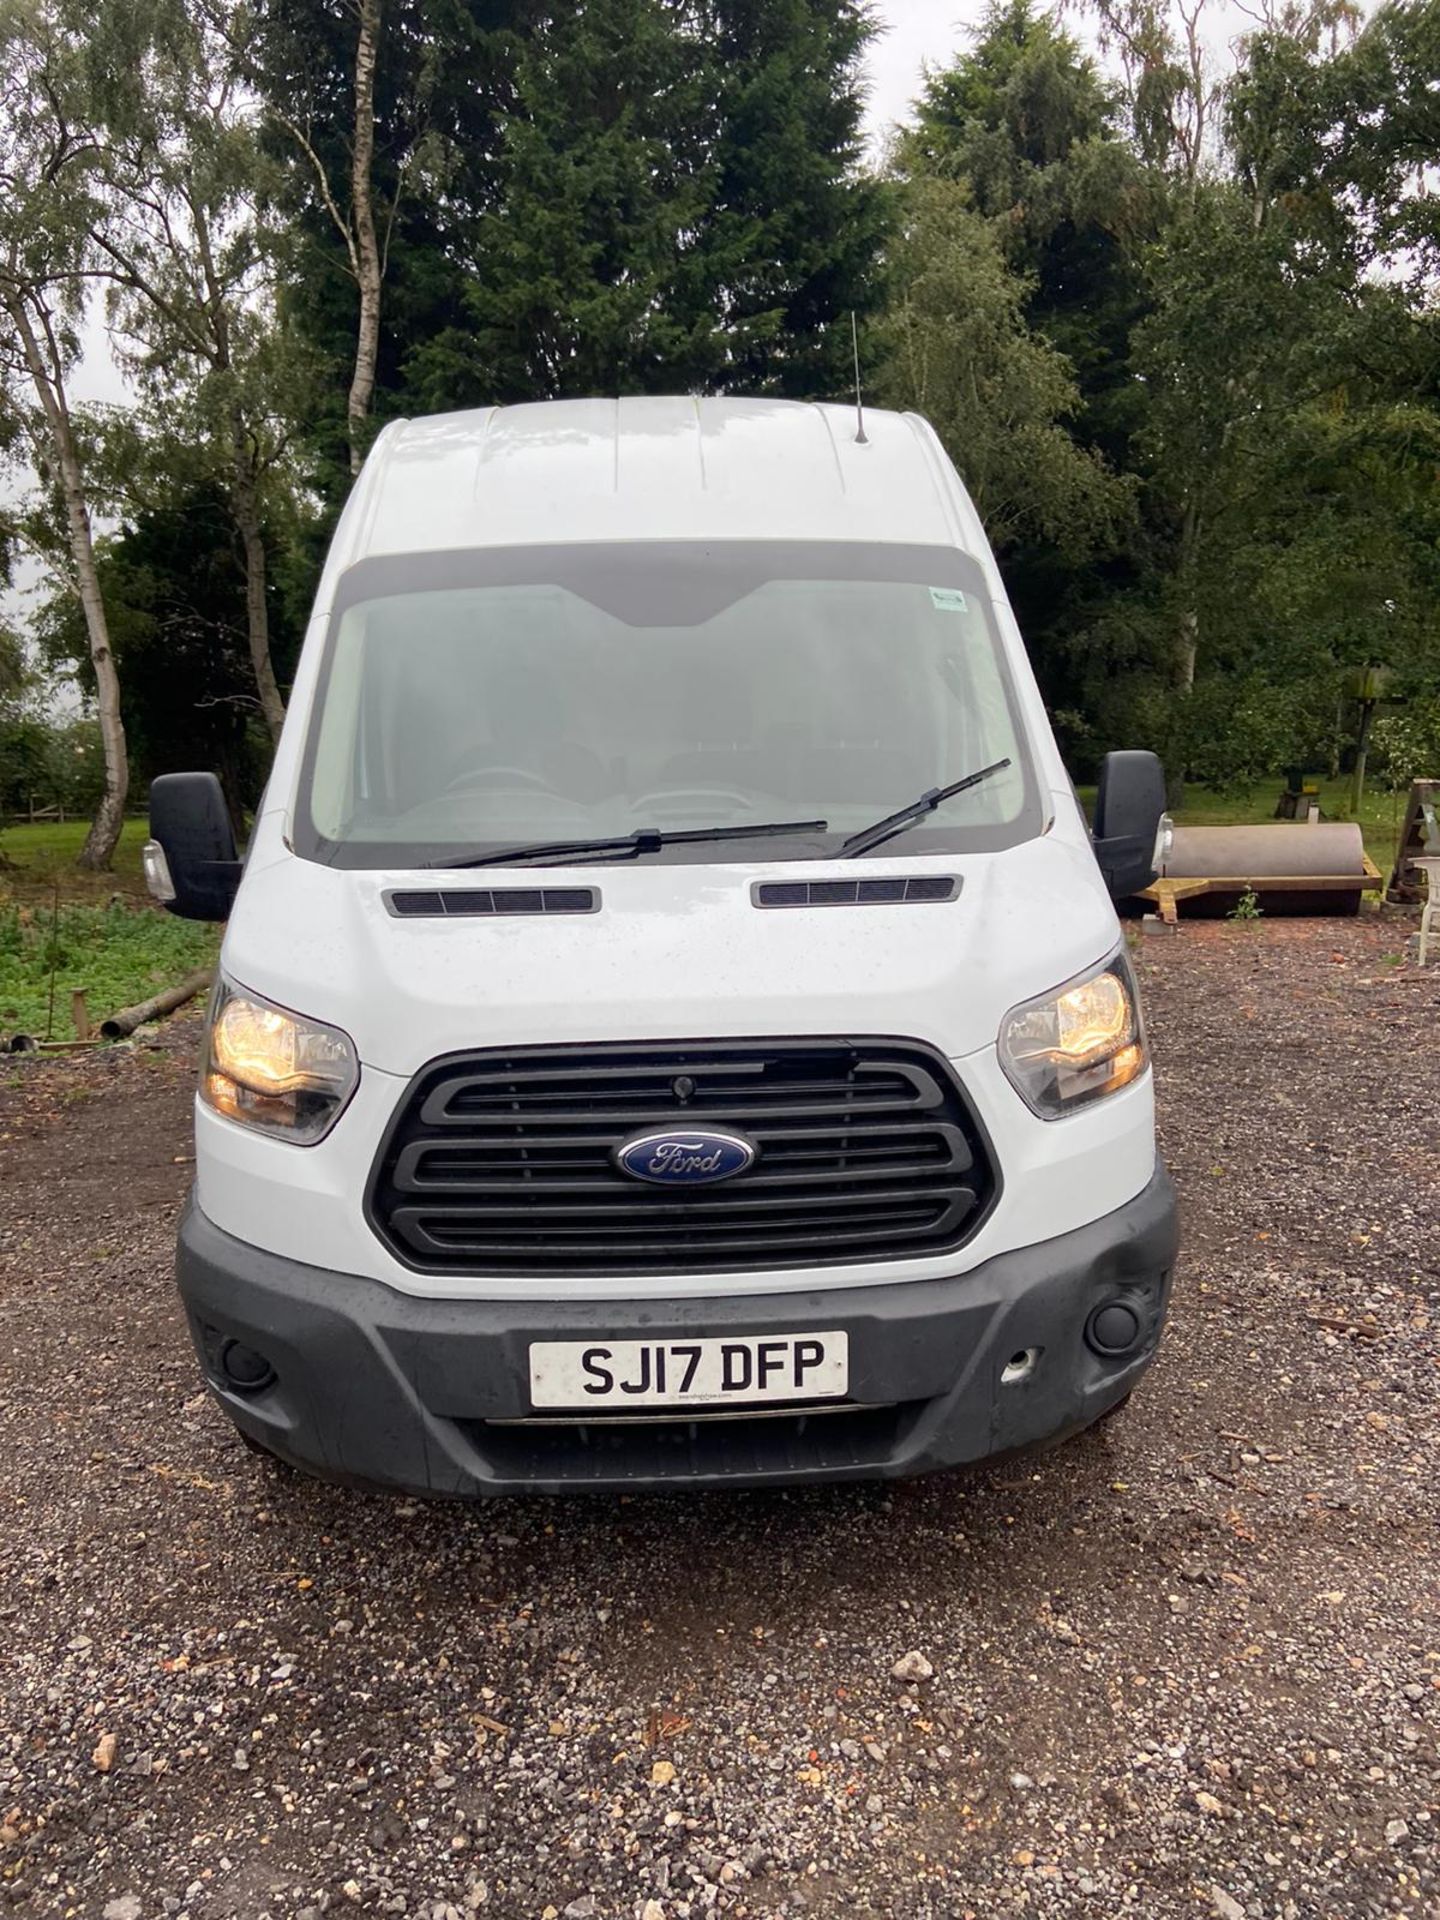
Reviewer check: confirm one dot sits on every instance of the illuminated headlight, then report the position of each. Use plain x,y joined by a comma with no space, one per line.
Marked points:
276,1071
1066,1049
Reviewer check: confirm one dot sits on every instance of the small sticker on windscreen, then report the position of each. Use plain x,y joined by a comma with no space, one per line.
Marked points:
947,599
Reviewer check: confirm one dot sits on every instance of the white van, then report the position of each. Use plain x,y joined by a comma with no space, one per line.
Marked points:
672,1025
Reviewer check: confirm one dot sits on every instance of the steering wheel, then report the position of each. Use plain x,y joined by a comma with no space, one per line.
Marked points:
667,796
502,777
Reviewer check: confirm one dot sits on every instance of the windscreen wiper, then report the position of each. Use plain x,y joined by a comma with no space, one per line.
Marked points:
629,846
894,823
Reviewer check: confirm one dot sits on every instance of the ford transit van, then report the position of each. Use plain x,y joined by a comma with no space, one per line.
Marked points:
672,1026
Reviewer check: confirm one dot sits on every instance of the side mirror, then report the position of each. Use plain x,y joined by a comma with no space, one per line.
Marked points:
1130,818
191,862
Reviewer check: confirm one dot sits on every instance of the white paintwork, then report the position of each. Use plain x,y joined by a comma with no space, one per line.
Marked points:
679,952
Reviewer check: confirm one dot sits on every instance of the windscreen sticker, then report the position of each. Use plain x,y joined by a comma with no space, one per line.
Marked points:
947,599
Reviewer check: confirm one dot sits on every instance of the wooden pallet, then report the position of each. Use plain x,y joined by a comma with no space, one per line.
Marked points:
1168,893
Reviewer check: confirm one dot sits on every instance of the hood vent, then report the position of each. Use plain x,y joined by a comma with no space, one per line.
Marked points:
855,893
458,903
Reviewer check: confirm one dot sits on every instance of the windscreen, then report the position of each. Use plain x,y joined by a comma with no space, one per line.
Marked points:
469,704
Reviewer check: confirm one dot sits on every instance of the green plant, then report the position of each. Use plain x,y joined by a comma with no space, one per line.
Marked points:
119,954
1247,907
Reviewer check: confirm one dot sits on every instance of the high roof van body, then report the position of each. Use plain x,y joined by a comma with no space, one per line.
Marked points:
672,1024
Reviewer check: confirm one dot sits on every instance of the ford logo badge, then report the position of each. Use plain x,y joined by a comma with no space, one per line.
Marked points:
682,1157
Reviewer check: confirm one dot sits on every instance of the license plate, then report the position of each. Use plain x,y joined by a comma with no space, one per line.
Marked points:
612,1374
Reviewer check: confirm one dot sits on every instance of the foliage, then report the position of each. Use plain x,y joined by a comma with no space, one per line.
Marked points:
48,765
176,595
614,196
1405,745
1234,732
955,346
118,953
1215,264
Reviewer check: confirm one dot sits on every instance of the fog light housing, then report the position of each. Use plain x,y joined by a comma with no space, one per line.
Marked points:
1113,1329
244,1369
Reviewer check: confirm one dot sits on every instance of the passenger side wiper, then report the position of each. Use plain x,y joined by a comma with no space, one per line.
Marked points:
629,846
894,823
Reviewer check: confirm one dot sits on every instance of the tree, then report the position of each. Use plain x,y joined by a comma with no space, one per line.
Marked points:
53,65
1031,127
620,195
794,224
180,622
574,274
1023,131
956,347
334,158
381,116
194,269
1173,93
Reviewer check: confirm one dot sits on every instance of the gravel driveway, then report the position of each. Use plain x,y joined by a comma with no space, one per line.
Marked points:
1189,1664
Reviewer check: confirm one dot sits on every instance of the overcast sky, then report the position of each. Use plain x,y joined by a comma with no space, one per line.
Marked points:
914,31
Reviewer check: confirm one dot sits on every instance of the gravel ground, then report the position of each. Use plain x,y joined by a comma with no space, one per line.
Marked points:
1189,1664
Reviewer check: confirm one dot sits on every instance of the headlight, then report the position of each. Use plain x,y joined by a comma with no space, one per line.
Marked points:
1068,1048
274,1070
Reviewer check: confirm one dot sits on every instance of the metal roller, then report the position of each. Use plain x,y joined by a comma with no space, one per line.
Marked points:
1281,850
1291,868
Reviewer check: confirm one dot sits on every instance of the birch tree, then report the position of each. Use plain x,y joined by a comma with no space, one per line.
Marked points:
50,65
337,164
193,267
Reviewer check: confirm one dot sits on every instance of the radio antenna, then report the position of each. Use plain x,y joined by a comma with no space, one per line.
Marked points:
861,438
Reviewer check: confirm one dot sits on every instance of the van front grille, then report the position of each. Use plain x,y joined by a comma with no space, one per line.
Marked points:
503,1163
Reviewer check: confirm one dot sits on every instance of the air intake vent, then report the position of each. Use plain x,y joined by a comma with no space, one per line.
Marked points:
458,902
854,893
505,1163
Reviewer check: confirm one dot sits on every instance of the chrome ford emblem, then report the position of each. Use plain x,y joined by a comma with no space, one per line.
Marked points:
683,1157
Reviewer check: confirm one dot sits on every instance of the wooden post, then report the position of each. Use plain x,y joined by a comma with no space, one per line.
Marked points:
80,1013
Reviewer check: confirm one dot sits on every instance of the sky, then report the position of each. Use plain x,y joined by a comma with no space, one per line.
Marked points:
914,31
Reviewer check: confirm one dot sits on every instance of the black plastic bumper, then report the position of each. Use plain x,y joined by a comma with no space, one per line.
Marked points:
373,1387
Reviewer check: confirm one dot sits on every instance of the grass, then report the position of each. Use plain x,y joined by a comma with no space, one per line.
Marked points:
34,858
1380,817
108,937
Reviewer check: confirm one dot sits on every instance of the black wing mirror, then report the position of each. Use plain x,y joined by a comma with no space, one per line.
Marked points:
192,865
1129,819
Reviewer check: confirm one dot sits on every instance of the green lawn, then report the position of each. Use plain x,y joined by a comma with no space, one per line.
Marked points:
1380,815
108,937
33,858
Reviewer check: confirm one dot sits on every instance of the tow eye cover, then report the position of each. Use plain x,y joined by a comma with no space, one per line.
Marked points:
685,1157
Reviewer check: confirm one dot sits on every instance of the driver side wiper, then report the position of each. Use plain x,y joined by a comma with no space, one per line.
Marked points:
629,846
894,823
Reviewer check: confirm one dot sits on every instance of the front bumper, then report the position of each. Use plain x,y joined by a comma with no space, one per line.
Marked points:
372,1387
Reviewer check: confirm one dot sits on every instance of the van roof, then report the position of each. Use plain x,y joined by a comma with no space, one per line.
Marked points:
657,469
